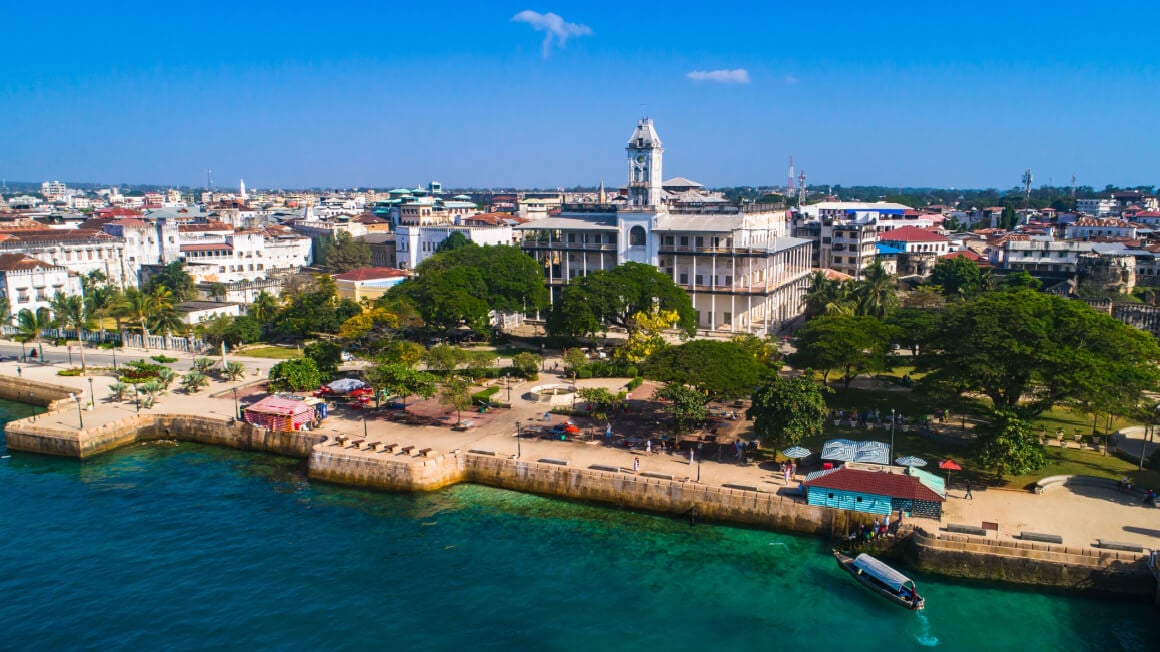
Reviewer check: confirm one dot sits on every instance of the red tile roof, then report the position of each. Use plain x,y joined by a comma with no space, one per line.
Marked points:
208,226
911,234
370,274
21,263
129,221
878,483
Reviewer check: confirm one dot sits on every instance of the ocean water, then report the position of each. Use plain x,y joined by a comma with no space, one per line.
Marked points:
187,547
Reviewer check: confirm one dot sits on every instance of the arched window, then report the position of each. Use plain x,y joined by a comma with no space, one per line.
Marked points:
636,236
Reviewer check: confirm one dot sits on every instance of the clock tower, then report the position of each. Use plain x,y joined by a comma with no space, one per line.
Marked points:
644,166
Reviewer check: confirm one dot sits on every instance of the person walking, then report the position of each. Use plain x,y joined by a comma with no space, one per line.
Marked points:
786,473
690,457
969,496
636,465
648,446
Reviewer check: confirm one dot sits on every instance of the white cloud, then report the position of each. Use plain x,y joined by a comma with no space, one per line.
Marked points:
791,80
738,76
553,26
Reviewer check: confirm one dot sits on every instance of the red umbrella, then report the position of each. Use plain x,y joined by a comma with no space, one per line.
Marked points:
949,465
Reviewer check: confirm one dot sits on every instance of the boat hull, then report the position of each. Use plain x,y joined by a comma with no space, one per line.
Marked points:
847,564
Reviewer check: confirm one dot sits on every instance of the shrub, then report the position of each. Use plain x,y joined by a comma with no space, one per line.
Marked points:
163,359
631,371
634,383
108,345
584,372
484,395
69,372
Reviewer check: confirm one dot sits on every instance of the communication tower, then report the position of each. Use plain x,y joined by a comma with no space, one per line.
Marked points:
1027,178
801,189
789,188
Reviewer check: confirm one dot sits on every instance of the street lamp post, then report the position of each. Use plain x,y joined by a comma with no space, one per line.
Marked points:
70,355
237,410
80,413
364,425
23,352
891,436
507,381
92,397
518,433
114,350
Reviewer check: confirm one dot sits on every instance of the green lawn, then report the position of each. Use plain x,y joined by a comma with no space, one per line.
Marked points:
933,450
272,352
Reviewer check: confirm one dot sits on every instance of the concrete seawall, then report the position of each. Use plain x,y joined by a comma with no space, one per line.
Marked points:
32,436
50,396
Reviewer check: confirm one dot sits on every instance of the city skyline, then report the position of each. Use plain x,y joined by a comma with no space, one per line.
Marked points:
513,95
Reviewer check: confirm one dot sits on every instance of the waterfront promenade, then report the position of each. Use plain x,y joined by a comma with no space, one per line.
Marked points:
1080,518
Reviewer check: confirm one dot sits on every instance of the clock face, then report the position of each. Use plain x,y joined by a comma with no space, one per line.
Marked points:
640,158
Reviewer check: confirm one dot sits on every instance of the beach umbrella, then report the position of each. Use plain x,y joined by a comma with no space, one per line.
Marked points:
346,385
948,466
910,460
796,452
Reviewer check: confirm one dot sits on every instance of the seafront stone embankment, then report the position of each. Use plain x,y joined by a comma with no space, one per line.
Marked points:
50,396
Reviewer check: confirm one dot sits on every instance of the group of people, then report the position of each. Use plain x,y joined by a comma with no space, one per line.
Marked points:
1126,486
861,417
878,529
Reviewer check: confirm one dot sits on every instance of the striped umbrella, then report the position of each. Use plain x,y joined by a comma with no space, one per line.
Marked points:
910,460
796,452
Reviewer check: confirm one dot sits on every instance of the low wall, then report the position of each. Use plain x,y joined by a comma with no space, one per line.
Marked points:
331,463
34,392
31,436
1071,569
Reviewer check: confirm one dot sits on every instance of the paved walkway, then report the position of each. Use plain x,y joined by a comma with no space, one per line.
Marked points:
1079,518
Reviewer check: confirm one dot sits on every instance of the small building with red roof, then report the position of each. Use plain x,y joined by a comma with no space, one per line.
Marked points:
913,240
872,492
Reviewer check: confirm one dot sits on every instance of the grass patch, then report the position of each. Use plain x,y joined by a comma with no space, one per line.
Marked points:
272,352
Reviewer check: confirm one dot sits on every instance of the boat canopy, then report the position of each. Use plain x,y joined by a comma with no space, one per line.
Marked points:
882,572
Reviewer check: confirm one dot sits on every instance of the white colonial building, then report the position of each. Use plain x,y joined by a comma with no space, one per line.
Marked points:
739,266
30,283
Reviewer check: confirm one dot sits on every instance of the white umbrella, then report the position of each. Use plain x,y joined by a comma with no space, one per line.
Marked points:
796,452
910,460
346,385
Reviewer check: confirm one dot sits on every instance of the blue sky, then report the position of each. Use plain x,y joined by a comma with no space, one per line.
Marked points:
376,94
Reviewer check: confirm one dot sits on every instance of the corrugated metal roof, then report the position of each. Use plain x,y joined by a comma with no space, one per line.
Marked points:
877,483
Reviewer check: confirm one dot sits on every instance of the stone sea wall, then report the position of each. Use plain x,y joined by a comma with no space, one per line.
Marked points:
1084,570
32,436
33,392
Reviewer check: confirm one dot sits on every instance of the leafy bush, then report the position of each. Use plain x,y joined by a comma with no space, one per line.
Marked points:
635,382
193,381
69,372
484,395
607,369
631,371
584,372
163,359
295,374
203,365
108,345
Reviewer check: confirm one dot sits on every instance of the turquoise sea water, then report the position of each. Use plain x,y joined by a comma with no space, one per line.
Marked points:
186,547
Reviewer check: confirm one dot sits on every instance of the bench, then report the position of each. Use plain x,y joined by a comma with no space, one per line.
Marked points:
476,451
742,487
341,440
958,528
1040,537
1119,545
357,443
426,452
1074,480
406,450
552,460
659,476
389,448
605,467
372,445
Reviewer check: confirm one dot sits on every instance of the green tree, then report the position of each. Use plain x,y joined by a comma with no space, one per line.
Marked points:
826,296
719,370
231,330
5,310
444,358
233,371
601,402
173,277
959,278
876,294
1008,446
1020,280
203,365
913,327
764,350
1028,351
463,285
787,410
163,312
684,404
400,380
69,314
29,326
403,352
345,253
326,357
590,304
574,358
264,308
851,345
478,362
456,240
526,363
455,393
295,375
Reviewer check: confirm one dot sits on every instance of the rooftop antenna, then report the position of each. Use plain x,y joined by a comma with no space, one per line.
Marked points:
1073,190
789,188
802,189
1027,178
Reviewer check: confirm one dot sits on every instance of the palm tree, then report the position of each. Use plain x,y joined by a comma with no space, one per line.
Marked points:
876,293
99,304
264,309
29,325
165,316
203,365
5,310
69,313
193,381
826,296
118,390
137,308
234,371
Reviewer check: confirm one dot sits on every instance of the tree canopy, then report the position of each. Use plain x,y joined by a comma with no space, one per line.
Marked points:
685,404
295,375
1028,351
719,370
1007,445
852,345
787,410
343,253
960,277
590,304
174,277
463,285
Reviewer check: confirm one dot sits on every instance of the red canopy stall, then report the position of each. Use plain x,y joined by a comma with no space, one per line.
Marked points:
280,414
